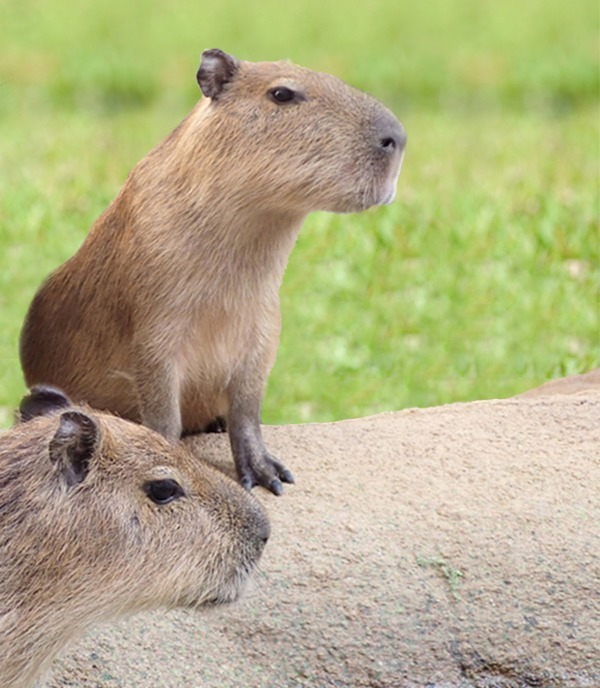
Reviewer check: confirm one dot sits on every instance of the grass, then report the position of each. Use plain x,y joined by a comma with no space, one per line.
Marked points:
480,281
449,572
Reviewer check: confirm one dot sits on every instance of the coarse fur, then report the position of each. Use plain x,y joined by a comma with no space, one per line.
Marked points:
82,541
169,312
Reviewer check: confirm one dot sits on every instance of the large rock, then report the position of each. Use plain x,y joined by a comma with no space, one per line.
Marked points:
450,546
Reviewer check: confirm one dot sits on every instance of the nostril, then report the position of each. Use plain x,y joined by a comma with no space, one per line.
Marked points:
388,143
390,137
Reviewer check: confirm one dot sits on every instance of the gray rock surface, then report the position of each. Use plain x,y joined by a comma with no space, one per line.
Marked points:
454,546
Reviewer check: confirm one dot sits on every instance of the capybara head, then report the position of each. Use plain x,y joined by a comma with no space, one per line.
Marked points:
100,517
305,140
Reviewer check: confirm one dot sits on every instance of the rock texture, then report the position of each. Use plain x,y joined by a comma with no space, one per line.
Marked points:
445,547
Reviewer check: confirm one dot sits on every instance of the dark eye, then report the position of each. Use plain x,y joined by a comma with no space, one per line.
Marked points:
163,491
282,94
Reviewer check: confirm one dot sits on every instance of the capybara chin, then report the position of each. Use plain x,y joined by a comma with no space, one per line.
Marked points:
168,314
101,518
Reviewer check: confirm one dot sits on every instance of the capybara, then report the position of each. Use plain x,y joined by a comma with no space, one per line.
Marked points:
100,518
168,314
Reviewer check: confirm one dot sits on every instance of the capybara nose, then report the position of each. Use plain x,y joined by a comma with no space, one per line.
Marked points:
258,522
264,529
392,137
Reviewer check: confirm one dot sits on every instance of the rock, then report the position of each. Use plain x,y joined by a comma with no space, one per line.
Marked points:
446,547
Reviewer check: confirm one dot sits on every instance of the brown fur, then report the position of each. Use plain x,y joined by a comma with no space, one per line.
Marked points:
572,384
82,542
169,312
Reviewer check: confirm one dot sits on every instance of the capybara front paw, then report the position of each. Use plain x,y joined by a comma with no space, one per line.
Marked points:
267,472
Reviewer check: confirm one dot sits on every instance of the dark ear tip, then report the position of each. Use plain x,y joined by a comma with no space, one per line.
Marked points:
42,399
75,424
216,69
47,389
74,444
213,52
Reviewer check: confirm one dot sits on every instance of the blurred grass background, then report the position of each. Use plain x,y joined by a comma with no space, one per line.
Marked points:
480,281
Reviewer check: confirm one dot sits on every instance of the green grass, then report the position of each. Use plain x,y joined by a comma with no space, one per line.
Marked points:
449,572
480,281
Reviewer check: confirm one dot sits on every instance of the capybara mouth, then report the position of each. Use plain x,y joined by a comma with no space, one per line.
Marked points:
229,592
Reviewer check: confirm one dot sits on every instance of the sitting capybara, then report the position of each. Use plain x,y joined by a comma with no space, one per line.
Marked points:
168,314
99,518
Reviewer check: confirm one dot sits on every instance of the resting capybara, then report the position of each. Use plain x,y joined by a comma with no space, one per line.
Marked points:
168,314
100,518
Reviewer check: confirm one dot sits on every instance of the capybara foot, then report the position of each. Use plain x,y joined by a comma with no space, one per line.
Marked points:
267,472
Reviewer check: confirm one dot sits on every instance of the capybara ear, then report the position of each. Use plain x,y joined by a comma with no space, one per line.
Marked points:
42,400
73,446
216,69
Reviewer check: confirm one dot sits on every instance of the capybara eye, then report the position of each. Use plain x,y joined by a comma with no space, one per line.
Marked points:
282,94
163,491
